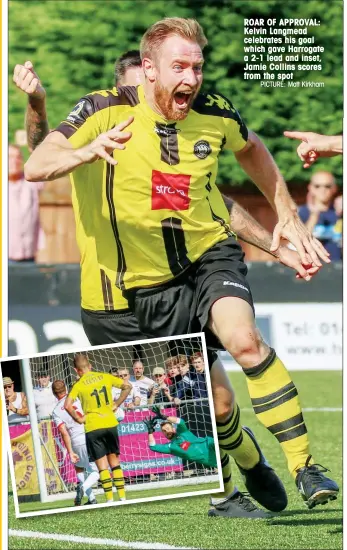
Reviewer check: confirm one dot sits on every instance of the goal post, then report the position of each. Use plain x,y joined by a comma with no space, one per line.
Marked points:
142,468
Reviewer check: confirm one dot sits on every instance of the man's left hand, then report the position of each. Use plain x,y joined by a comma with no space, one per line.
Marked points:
291,259
294,230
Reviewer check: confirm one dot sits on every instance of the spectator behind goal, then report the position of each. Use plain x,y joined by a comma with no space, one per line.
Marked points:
16,403
45,400
160,392
133,400
143,383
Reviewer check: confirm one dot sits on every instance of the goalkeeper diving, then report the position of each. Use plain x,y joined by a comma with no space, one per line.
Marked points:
183,442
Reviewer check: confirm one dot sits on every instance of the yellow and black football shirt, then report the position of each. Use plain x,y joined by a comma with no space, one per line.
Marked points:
144,221
94,390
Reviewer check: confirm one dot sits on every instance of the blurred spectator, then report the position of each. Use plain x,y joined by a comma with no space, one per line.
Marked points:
23,211
134,398
114,371
197,361
160,392
143,383
16,402
45,400
319,213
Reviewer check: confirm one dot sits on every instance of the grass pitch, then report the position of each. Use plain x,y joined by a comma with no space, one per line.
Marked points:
183,522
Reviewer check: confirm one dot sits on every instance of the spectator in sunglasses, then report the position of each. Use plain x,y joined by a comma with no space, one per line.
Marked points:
319,213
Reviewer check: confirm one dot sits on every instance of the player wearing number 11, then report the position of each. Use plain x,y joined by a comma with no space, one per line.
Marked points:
94,390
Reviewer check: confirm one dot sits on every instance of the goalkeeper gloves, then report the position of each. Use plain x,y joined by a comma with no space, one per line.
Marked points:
158,413
149,422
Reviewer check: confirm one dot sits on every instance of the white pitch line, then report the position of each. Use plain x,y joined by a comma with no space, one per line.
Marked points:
97,541
311,410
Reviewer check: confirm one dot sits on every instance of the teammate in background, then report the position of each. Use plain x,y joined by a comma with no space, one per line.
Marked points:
94,390
142,382
313,146
45,400
74,439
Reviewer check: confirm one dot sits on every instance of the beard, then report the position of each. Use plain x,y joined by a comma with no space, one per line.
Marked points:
165,101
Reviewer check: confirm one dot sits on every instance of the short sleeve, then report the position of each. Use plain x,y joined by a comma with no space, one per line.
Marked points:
73,394
114,380
236,131
56,420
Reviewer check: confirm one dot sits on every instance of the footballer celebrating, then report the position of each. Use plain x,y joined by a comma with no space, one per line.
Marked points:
94,391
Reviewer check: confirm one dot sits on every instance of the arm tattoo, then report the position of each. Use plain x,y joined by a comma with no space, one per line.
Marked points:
36,123
247,228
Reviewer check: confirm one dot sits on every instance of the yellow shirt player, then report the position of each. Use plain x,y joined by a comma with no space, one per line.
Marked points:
94,390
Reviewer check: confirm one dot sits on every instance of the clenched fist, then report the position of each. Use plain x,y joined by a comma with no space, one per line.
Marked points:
26,79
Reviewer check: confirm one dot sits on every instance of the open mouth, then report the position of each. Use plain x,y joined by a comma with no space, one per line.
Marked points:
182,99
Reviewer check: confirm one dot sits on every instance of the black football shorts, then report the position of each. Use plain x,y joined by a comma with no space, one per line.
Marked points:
110,327
102,442
182,305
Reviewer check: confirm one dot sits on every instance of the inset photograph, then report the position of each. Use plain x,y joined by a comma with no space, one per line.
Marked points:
110,425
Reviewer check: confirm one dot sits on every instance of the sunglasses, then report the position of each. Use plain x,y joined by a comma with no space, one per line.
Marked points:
158,375
123,375
7,387
327,186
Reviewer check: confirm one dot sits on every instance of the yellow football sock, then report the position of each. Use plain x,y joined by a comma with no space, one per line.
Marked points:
236,442
276,403
106,482
229,486
118,481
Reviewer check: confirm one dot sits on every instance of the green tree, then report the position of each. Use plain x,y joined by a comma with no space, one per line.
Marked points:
74,45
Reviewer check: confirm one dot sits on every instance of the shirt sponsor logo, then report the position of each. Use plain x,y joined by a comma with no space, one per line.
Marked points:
185,445
202,149
231,283
170,191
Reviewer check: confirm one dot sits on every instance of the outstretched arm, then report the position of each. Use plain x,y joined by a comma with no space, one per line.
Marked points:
259,165
249,230
315,145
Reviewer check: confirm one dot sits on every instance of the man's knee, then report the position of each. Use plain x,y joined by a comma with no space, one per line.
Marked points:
246,346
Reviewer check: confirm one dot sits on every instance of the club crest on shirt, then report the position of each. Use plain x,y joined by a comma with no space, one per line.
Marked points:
185,445
202,149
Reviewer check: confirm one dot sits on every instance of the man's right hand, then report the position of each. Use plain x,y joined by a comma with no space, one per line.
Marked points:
104,145
315,145
74,458
27,80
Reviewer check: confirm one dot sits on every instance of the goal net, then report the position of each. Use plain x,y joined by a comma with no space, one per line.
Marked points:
181,391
